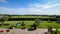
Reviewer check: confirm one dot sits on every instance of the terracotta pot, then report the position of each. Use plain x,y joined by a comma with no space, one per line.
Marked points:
1,31
7,30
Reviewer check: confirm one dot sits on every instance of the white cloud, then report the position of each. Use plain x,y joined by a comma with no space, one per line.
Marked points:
3,1
33,9
35,5
50,6
44,6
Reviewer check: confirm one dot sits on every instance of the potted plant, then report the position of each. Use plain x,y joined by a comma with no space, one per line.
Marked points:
7,31
35,26
1,31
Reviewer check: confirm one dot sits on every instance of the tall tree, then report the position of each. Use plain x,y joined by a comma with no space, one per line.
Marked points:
4,18
38,21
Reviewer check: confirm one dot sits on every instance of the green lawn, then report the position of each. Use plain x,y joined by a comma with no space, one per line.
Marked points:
45,24
30,17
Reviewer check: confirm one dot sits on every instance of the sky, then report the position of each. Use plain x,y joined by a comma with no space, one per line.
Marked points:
22,7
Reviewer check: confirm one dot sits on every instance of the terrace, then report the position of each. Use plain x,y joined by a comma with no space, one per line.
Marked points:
41,28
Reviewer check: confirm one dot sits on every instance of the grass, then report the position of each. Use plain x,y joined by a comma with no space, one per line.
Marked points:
56,32
45,24
25,16
31,17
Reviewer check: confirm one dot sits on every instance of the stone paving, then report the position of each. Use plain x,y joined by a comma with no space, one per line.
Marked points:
25,31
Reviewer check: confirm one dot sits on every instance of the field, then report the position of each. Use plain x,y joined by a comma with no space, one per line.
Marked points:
44,24
31,17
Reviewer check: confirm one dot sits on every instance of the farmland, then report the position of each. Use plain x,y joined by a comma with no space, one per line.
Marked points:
29,20
44,22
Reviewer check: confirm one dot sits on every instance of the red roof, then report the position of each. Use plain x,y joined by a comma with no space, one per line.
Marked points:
0,17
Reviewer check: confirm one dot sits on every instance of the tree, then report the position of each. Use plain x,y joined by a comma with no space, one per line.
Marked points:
38,21
23,25
4,18
49,20
35,25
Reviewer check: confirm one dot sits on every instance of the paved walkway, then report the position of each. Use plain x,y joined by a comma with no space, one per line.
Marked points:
25,31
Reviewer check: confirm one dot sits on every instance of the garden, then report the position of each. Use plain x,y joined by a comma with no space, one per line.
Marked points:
34,24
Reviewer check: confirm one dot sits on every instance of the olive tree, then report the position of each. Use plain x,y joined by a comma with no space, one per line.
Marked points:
4,18
38,21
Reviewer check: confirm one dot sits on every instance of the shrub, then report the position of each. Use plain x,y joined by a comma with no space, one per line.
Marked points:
10,27
56,31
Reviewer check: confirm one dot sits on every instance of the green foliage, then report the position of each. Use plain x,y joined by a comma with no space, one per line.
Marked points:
10,27
29,23
57,31
5,18
35,25
52,32
38,21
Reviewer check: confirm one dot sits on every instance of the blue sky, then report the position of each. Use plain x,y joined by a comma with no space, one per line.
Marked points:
21,7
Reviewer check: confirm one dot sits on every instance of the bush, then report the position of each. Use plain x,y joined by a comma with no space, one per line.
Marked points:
52,32
10,27
23,25
56,31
